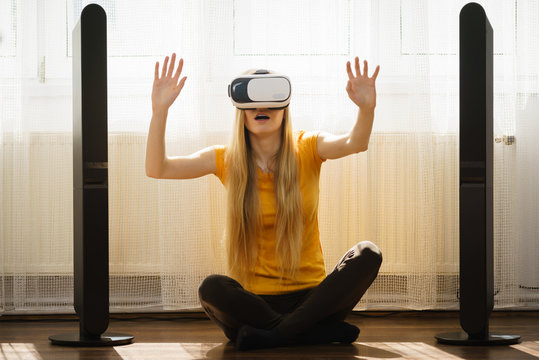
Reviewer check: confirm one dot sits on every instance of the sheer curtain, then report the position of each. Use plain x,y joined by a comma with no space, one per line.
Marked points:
166,235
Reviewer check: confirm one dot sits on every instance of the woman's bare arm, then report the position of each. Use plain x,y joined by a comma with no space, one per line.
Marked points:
165,91
361,90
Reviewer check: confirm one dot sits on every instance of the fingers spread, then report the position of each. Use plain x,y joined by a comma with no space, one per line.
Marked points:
179,71
156,75
358,70
164,71
171,67
182,82
349,70
365,68
375,75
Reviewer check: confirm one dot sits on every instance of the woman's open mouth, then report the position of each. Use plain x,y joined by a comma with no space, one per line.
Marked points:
262,117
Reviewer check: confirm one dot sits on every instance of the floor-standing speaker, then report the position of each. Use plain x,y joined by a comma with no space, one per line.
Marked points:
90,184
476,182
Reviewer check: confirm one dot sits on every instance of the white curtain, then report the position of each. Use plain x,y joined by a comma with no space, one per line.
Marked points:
166,235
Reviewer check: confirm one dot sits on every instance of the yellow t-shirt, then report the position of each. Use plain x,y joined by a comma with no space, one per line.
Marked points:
265,280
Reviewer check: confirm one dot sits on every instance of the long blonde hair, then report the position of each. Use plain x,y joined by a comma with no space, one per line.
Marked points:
244,220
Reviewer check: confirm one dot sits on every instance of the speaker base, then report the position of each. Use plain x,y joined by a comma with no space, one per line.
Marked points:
106,339
462,338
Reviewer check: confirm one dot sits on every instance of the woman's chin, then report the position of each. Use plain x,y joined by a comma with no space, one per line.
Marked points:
263,130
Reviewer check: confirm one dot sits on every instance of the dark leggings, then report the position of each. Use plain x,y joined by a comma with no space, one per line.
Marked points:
231,306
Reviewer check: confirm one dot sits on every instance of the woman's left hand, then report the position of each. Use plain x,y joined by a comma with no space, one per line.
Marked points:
361,88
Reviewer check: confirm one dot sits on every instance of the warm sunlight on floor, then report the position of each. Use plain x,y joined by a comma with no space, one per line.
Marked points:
406,350
18,351
365,351
164,351
529,347
151,351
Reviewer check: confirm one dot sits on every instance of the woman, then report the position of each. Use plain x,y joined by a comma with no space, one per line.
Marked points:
278,293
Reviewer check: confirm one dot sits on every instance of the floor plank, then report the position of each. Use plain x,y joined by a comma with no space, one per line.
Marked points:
408,335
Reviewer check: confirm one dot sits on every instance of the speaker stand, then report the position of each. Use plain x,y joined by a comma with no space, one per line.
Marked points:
90,184
462,338
106,339
476,208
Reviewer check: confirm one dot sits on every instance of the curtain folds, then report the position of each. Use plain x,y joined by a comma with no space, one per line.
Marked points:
166,235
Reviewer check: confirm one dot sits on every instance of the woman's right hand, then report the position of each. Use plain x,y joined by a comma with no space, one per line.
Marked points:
167,88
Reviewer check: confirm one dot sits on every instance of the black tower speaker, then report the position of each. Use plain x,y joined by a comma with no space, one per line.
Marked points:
90,184
476,183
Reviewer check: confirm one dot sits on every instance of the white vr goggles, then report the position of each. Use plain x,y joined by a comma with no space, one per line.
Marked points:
260,90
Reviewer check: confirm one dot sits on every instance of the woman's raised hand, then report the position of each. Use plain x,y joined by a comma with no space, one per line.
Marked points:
167,88
361,88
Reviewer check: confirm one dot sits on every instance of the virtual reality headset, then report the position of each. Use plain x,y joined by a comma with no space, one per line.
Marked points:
260,90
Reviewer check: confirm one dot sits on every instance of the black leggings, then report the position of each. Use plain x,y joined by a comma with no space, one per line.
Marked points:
231,306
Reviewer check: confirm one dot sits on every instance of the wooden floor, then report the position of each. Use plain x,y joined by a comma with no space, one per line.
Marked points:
397,336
